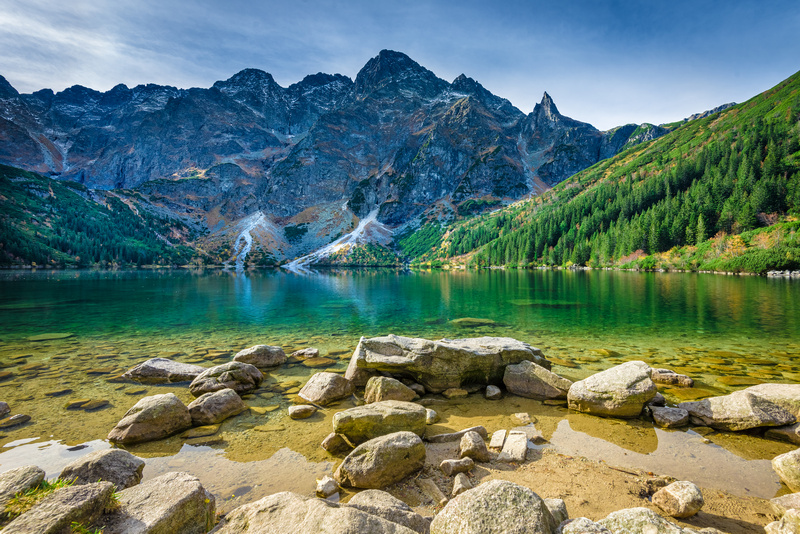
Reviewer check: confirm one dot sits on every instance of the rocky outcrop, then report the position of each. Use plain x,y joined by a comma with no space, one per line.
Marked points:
384,505
174,502
680,499
495,507
18,480
533,381
325,388
363,423
117,466
382,388
162,371
741,410
214,407
382,461
788,468
447,363
261,356
238,376
152,418
621,391
640,520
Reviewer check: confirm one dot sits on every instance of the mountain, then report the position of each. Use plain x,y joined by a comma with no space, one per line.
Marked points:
294,169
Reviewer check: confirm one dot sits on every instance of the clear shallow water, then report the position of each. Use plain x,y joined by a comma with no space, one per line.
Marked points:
726,332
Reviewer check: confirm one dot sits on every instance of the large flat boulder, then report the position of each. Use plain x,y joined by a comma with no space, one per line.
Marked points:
621,391
531,380
174,502
18,480
741,410
214,407
152,418
117,466
162,371
382,461
363,423
238,376
290,513
382,504
495,507
261,356
443,364
325,388
787,396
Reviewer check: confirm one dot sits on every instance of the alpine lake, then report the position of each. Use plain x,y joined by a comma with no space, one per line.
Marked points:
66,336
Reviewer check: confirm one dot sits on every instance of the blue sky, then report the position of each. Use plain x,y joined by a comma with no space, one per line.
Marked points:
607,63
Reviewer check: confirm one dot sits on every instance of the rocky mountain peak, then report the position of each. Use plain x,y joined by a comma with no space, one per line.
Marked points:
390,67
546,107
6,90
246,79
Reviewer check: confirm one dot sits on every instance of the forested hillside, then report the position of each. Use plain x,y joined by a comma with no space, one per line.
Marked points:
719,193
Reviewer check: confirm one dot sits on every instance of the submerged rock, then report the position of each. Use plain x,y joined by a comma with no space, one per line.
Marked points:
363,423
152,418
382,388
238,376
117,466
382,461
621,391
325,388
261,356
680,499
163,370
533,381
670,378
215,407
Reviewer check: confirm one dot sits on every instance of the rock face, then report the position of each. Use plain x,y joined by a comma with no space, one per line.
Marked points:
382,461
669,417
289,513
215,407
117,466
496,506
325,388
382,388
788,468
621,391
384,505
261,356
174,502
163,370
363,423
680,499
741,410
55,513
152,418
640,520
238,376
447,363
533,381
17,480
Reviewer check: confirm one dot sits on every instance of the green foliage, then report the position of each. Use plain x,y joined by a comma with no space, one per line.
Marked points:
24,501
413,244
366,255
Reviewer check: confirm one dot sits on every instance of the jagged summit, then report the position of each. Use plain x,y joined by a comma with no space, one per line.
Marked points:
6,90
390,67
546,107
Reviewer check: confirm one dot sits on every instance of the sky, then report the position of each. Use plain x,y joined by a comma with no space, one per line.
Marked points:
603,62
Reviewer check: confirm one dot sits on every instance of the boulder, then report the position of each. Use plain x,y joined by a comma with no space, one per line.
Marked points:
680,499
498,439
214,407
238,376
117,466
558,509
392,509
359,376
515,447
290,513
669,417
785,502
461,484
261,356
787,396
741,410
152,418
162,371
621,391
788,468
473,446
302,411
669,377
366,422
382,388
495,507
443,364
455,393
326,487
336,444
641,520
493,392
456,436
382,461
324,388
57,512
658,400
431,416
450,467
790,433
533,381
18,480
583,525
788,524
174,502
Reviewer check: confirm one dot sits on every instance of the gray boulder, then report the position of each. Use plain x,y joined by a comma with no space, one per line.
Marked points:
493,392
583,525
443,364
431,416
326,486
640,520
214,407
790,433
261,356
162,371
621,391
533,381
238,376
680,499
456,436
363,423
289,513
670,378
669,417
55,513
174,502
325,388
558,509
303,354
382,388
450,467
384,505
788,468
495,507
18,480
117,466
786,396
461,483
473,446
152,418
788,524
785,502
336,444
741,410
382,461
